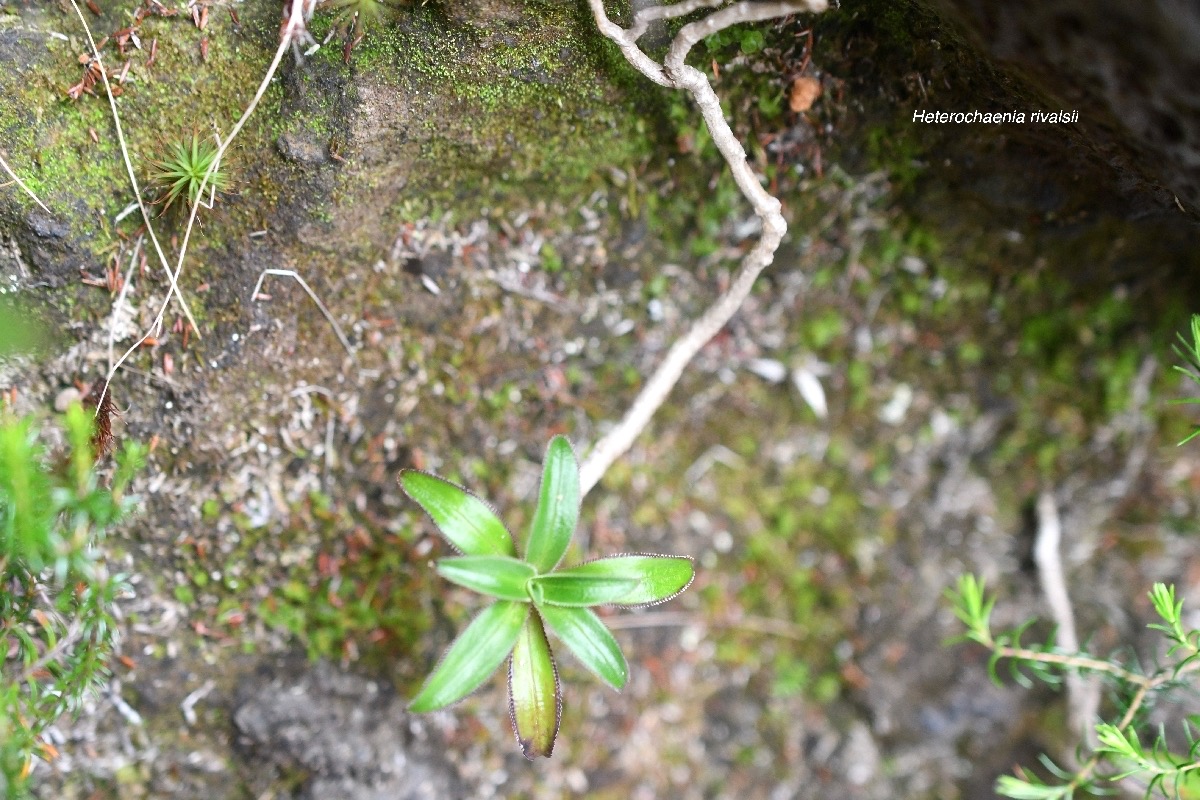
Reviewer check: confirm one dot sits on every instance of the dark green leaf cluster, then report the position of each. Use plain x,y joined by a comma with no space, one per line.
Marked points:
56,595
530,594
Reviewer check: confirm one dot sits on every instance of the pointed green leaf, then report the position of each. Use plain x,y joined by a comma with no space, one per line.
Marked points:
474,656
466,521
558,507
586,637
534,701
498,576
659,578
579,590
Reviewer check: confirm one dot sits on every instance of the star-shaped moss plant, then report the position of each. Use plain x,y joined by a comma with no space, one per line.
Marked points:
532,595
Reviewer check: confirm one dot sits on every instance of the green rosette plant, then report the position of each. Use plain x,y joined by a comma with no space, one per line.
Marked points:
530,594
181,173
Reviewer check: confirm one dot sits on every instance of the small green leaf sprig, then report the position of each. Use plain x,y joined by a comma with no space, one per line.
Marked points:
1189,351
1119,753
531,594
181,173
57,595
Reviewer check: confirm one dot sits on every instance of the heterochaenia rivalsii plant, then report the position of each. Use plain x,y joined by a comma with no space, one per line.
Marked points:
530,593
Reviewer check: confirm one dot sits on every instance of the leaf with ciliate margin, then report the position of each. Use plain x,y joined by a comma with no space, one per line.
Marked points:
462,518
586,637
658,578
474,656
558,507
496,576
579,590
535,703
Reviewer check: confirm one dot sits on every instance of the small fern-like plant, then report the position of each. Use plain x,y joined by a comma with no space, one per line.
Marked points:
1189,351
1119,753
531,593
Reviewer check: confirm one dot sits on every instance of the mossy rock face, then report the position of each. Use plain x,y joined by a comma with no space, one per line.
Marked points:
465,106
437,108
481,104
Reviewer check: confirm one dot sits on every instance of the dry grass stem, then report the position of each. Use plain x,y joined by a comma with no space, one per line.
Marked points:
1083,692
284,43
290,273
21,183
120,302
133,182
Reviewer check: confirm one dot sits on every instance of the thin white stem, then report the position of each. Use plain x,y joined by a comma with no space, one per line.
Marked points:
294,31
188,706
1083,692
746,11
680,76
284,41
291,273
120,302
633,54
643,18
133,182
21,183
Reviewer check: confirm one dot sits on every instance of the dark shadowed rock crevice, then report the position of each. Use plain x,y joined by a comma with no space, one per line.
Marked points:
1100,199
1138,65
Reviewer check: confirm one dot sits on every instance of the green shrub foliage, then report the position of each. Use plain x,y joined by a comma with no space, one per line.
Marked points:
57,594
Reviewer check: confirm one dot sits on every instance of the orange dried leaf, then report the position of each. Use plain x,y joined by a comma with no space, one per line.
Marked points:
803,94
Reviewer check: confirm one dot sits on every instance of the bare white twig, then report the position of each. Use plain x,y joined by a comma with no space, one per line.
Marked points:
1083,692
294,31
120,302
133,182
188,706
21,183
677,74
643,18
124,709
746,11
291,273
551,300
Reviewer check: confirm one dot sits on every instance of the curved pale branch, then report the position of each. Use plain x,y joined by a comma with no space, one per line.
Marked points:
747,11
678,75
645,16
